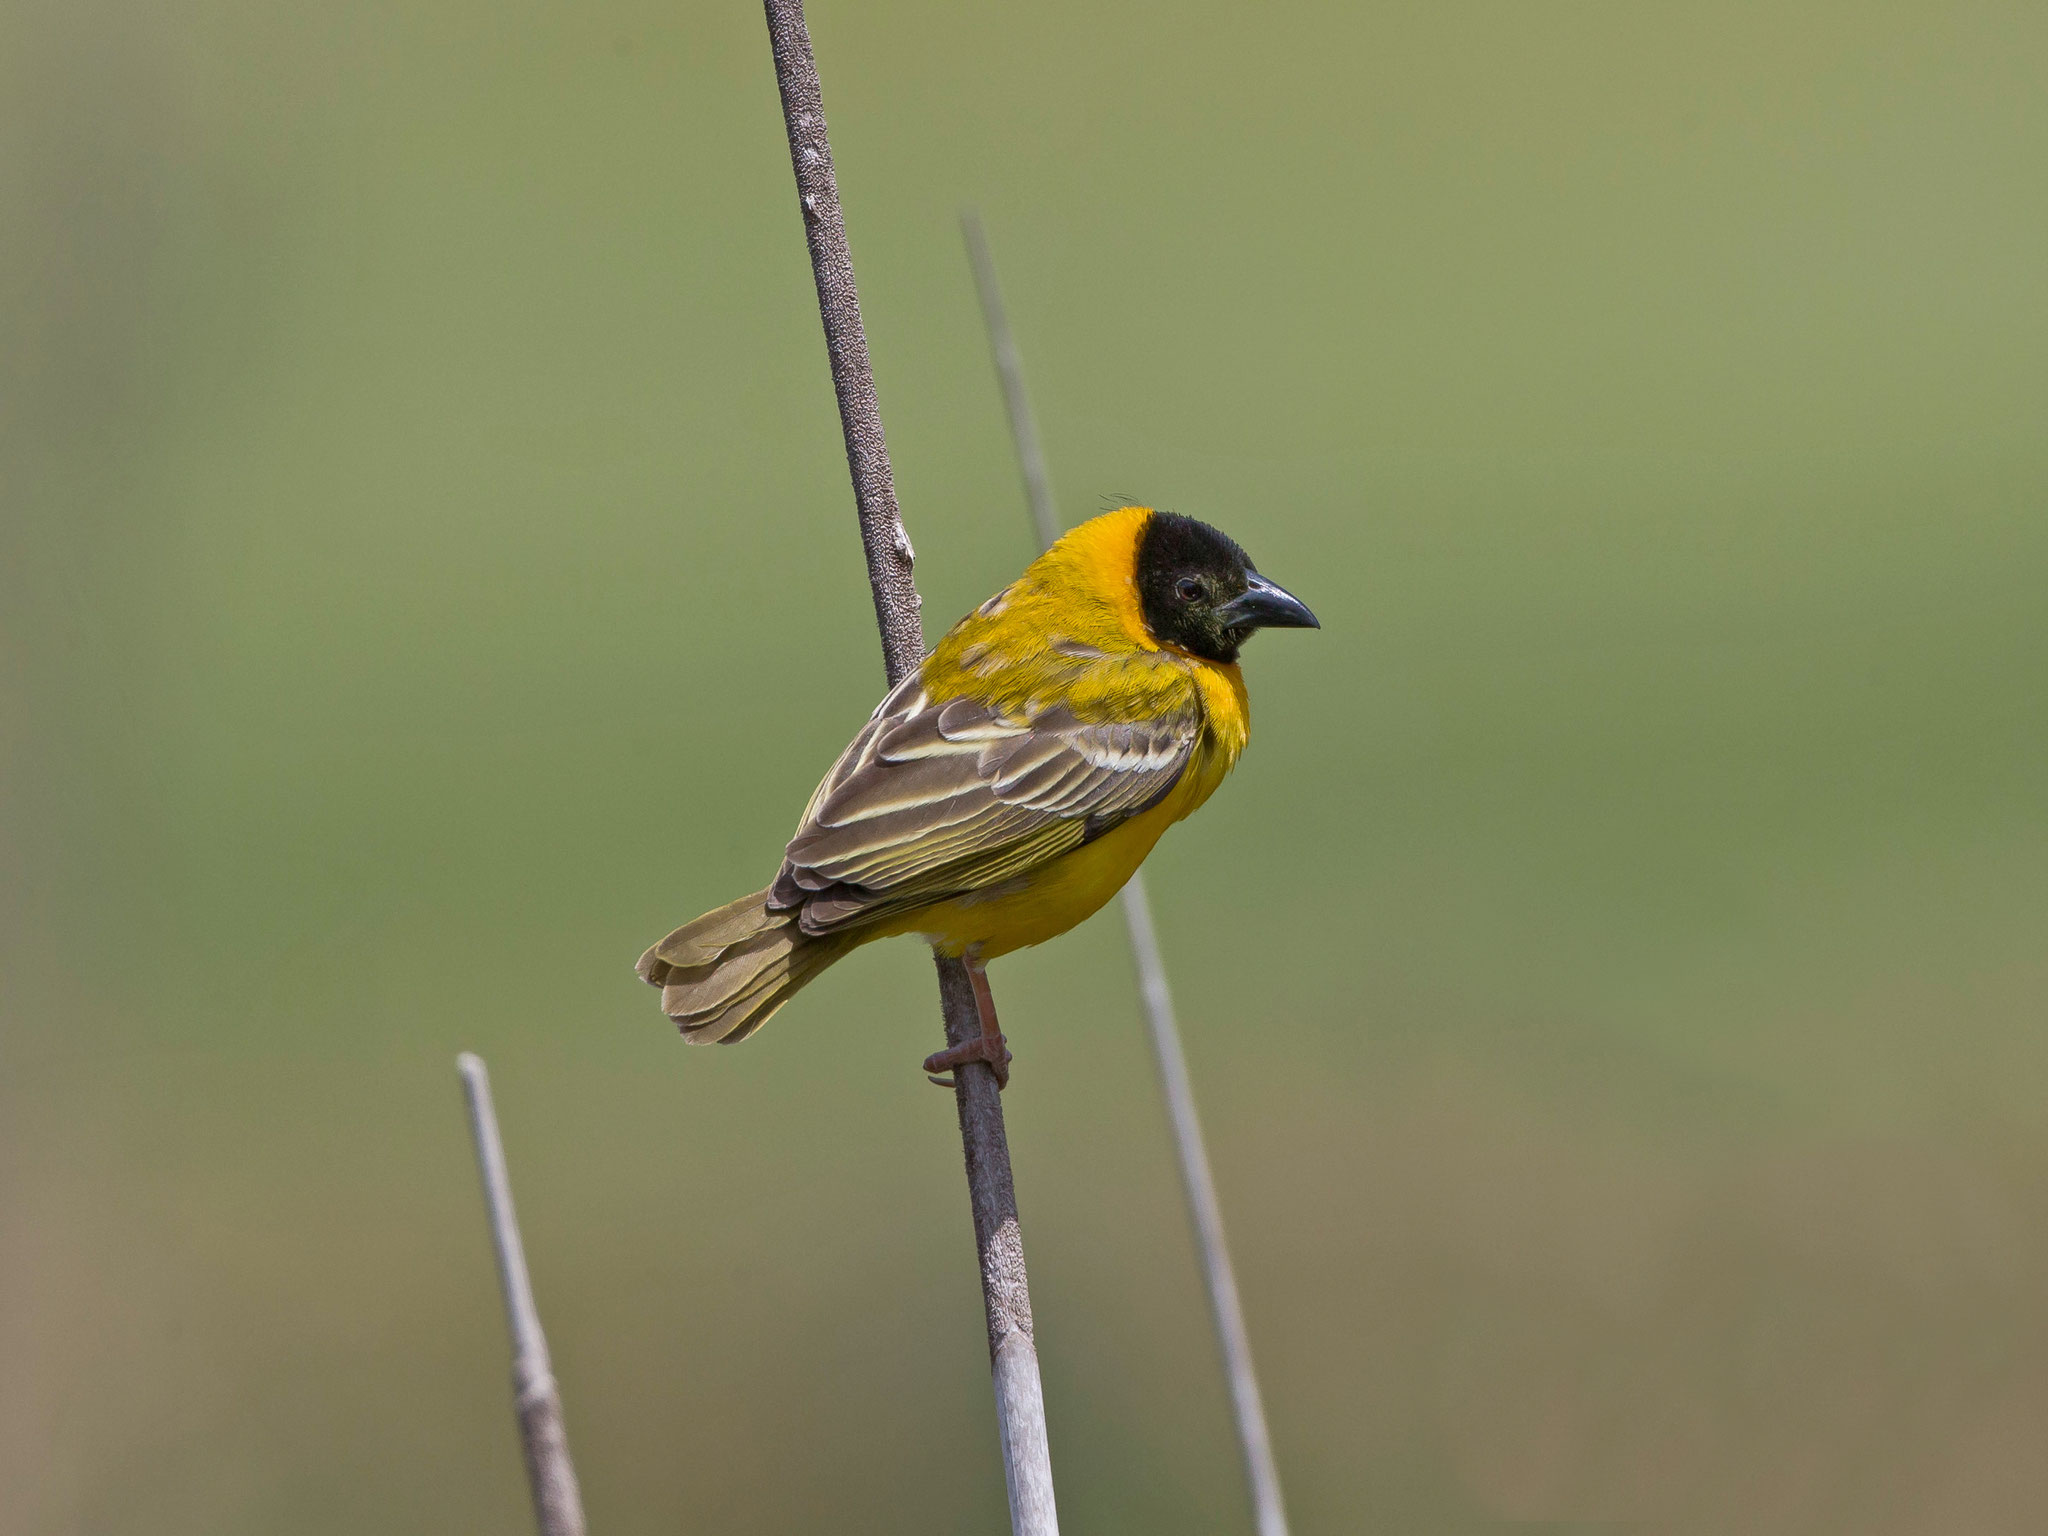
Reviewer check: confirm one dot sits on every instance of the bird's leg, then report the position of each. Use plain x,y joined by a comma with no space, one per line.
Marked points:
988,1046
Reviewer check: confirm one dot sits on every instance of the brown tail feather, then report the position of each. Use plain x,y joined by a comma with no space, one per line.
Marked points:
723,976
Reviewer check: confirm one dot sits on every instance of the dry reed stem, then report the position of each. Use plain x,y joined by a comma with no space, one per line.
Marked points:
557,1504
1006,1292
1205,1212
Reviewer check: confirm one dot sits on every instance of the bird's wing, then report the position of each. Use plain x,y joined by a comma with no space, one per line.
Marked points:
931,801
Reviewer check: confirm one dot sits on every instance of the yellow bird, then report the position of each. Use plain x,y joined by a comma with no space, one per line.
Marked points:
1009,787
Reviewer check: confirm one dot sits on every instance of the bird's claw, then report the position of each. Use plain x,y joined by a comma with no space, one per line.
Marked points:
993,1049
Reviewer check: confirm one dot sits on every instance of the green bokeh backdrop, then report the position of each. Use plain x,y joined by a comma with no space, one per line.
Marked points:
1614,980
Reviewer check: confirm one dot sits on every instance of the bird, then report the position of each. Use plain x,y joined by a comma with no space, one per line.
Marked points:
1011,784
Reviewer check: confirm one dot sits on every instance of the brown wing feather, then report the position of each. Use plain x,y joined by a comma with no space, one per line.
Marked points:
933,801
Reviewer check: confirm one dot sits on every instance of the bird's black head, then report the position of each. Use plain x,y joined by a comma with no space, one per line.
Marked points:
1199,591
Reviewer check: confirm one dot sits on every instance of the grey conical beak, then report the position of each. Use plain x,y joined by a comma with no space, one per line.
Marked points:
1267,605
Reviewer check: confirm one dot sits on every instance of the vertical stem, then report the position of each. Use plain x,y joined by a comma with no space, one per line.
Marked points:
557,1505
889,555
1002,346
1013,1355
1005,1288
1262,1477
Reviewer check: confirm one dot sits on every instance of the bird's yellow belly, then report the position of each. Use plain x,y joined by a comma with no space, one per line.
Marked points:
1047,901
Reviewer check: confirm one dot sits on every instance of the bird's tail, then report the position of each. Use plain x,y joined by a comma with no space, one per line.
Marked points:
723,976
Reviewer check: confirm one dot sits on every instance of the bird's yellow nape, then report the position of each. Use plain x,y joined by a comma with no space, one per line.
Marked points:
1090,572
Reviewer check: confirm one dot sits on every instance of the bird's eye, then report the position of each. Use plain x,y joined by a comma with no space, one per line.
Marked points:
1188,588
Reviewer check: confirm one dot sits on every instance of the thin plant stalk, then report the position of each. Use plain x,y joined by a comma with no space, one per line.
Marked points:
1205,1213
1005,1288
557,1504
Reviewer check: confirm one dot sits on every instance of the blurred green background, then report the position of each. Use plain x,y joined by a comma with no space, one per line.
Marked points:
1614,980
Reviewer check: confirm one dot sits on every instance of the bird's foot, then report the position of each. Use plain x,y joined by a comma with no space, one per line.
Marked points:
993,1049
